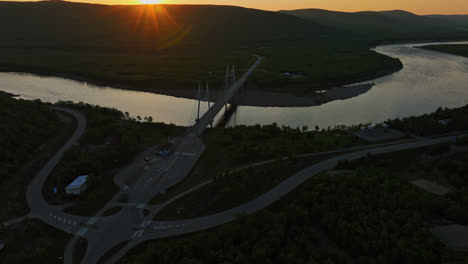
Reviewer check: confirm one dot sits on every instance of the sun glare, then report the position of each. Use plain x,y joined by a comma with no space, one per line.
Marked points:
150,2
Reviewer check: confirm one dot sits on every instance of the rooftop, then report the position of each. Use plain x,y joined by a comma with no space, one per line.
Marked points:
78,182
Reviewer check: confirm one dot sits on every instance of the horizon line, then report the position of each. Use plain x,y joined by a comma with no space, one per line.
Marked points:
240,6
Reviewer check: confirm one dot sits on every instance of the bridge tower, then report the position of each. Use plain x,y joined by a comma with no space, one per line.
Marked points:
207,96
226,79
229,79
198,98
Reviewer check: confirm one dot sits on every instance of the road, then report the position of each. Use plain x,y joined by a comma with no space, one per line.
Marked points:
162,229
146,179
53,215
141,181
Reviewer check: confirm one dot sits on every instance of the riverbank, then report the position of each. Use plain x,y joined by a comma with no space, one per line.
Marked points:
250,95
8,94
261,98
453,49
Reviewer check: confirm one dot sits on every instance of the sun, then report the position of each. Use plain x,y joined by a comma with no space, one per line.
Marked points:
150,2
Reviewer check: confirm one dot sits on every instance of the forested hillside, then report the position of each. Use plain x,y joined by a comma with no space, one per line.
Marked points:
24,126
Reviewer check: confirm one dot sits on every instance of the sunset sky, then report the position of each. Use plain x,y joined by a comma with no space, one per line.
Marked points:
415,6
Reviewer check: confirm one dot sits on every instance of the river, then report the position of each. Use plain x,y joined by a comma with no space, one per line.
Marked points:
428,80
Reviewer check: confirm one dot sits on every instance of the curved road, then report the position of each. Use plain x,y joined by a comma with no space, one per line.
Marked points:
131,224
162,229
53,215
142,181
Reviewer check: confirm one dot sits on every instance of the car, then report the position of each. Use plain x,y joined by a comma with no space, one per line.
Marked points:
147,159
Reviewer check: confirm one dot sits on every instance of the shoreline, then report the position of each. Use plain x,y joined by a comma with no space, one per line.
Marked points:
260,98
8,94
252,96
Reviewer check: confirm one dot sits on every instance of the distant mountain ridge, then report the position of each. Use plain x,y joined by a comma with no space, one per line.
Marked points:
458,20
395,25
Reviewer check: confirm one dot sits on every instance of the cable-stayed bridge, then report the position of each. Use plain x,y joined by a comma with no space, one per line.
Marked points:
203,122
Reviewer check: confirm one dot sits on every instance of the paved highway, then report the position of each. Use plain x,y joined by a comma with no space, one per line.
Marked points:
141,181
161,229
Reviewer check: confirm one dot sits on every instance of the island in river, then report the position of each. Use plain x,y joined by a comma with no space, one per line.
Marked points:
179,55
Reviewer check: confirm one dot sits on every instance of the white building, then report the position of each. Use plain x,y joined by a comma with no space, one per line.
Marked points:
78,185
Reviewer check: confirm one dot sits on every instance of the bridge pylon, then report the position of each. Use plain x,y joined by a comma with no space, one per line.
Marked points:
229,79
207,95
198,98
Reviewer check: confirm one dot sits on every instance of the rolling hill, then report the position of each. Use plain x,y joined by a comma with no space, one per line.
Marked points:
457,20
384,26
65,25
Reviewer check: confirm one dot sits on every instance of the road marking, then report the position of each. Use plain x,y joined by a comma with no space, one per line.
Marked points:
140,206
82,231
172,163
138,234
92,220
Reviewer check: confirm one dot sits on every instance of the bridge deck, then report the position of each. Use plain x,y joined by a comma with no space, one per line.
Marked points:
210,115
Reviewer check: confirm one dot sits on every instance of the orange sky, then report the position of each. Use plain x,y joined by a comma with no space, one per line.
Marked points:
415,6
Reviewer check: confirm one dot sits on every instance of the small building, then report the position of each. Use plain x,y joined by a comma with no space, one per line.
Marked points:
78,185
165,149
